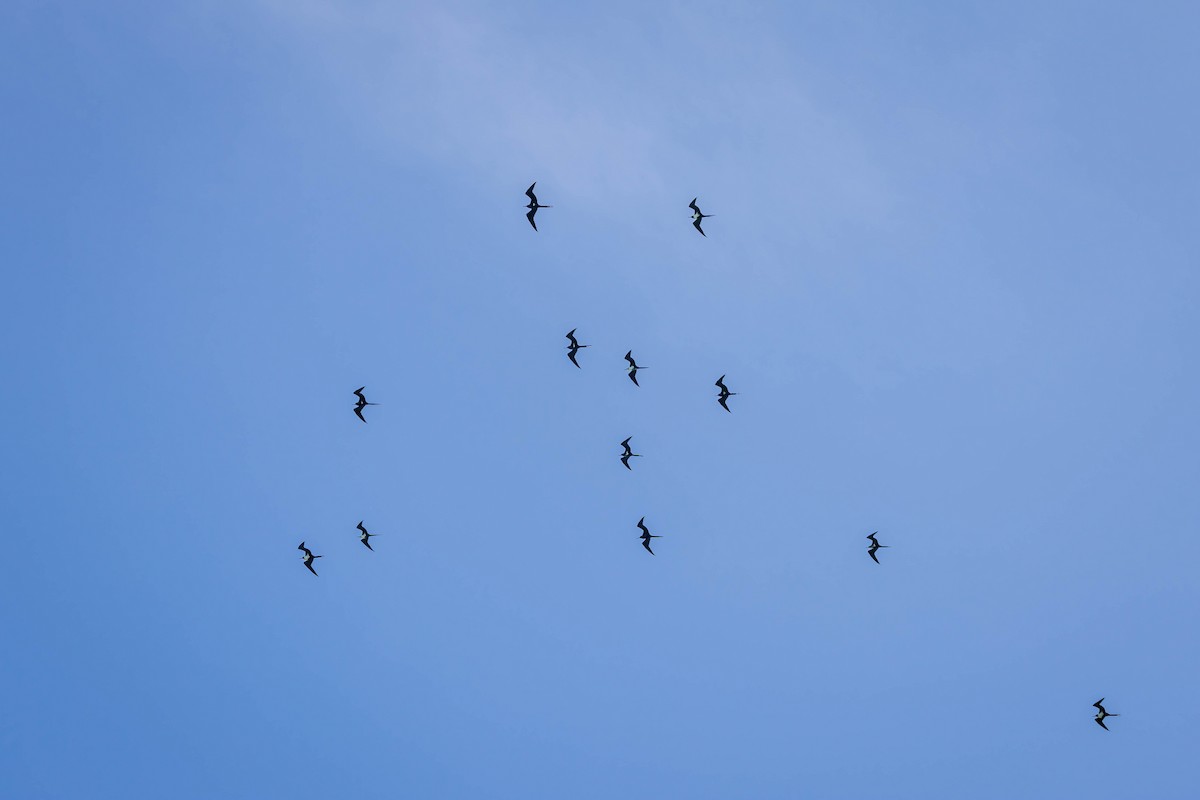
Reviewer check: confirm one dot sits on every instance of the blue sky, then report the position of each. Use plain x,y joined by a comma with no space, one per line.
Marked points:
951,274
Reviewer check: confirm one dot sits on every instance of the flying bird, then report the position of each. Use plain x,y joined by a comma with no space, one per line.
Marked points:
365,536
308,558
574,347
1102,713
633,368
697,216
362,403
533,204
628,454
646,535
725,393
875,545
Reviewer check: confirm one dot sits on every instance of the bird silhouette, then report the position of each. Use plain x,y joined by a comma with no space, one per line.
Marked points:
628,454
365,536
725,393
1102,714
633,368
874,546
646,535
697,216
362,403
308,558
533,204
574,347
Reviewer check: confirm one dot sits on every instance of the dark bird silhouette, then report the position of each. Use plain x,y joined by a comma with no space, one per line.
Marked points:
633,368
308,558
362,403
874,546
533,204
1102,714
574,347
628,454
697,216
365,536
725,393
646,535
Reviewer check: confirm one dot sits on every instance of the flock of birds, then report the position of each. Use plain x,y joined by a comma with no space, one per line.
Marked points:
572,351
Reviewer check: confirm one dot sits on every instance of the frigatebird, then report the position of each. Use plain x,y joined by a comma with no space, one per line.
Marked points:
365,536
633,368
725,393
628,454
574,347
647,535
308,558
875,545
362,403
1102,714
697,216
533,204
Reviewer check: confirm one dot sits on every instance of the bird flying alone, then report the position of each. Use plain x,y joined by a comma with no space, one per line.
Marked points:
533,204
725,393
574,347
874,546
1101,714
308,558
362,403
697,216
633,368
646,535
628,454
364,536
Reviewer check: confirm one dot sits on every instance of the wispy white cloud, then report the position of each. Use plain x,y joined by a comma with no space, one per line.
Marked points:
610,107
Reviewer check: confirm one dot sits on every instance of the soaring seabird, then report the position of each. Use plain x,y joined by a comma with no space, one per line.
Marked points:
365,536
875,545
533,204
633,368
647,535
574,347
725,393
362,403
697,216
628,454
1102,714
308,558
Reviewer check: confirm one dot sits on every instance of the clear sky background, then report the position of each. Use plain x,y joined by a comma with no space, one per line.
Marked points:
952,274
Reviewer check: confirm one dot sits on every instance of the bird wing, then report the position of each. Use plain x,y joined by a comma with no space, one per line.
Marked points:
871,536
629,358
529,193
646,544
871,553
625,461
358,393
625,443
358,411
310,568
696,225
721,400
360,526
571,355
720,384
305,549
642,524
1100,722
633,376
529,217
692,205
368,544
1097,705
